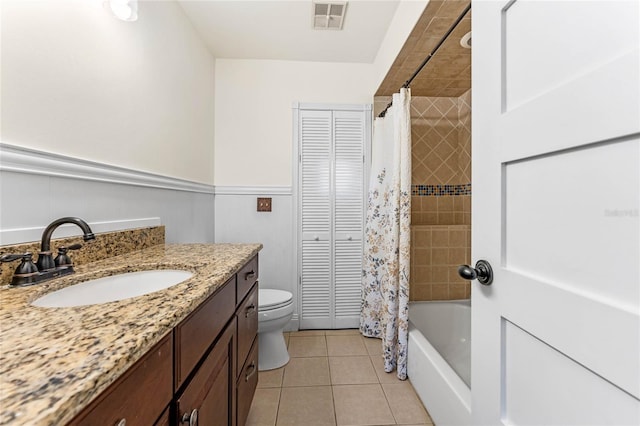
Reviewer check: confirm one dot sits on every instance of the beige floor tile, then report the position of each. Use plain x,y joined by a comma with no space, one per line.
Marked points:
270,378
264,408
312,371
307,346
373,345
345,346
384,377
306,406
352,370
307,333
361,405
344,332
404,403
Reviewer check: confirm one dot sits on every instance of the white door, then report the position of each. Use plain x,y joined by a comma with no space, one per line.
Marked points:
556,175
332,149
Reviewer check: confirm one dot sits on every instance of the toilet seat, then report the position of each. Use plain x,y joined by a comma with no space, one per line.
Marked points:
270,299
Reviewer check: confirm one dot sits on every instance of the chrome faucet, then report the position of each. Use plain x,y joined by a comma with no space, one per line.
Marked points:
45,258
47,268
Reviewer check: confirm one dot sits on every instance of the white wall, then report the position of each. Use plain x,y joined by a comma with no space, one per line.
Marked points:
37,187
254,103
77,81
254,112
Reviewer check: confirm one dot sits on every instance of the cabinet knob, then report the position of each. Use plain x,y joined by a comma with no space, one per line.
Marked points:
249,274
190,418
122,422
251,309
250,371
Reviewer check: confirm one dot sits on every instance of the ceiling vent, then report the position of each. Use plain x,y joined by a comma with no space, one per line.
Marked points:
329,16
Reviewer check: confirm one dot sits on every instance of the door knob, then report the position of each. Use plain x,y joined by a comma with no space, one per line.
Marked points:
482,272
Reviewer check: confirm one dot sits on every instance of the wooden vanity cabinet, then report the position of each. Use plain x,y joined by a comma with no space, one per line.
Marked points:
247,379
139,396
247,277
195,334
208,399
202,373
247,315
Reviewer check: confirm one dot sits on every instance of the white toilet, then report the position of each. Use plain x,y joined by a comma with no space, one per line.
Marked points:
274,312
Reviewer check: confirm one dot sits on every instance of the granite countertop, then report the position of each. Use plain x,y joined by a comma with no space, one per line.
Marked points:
54,361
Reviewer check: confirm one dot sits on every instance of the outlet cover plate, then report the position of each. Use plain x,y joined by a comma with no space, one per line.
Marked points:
264,204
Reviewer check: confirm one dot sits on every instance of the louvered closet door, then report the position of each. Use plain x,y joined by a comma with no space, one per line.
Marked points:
348,131
315,217
331,180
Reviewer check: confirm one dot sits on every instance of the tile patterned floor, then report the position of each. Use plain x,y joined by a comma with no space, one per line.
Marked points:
337,378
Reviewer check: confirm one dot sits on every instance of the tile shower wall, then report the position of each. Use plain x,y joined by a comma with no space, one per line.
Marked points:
441,194
436,252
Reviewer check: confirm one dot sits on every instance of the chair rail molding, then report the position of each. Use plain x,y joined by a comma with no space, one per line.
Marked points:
25,160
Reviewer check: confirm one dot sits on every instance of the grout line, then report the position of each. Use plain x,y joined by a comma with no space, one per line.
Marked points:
279,401
388,404
331,381
333,401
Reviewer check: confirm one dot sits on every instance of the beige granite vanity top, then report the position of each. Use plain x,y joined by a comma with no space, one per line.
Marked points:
54,361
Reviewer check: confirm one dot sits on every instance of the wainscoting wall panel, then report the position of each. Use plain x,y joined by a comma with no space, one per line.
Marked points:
110,198
238,221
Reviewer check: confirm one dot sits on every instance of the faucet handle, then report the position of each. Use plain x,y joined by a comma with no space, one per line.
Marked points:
26,268
62,259
10,257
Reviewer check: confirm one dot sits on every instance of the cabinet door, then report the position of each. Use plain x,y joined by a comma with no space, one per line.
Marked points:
209,398
195,334
247,326
139,396
247,384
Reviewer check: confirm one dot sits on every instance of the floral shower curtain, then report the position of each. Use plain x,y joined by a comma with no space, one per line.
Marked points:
385,281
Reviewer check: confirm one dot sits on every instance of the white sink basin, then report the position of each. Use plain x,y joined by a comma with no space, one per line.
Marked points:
112,288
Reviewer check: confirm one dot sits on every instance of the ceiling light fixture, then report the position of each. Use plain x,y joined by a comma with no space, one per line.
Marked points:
329,16
126,10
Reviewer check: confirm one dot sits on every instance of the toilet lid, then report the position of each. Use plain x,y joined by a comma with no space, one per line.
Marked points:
272,299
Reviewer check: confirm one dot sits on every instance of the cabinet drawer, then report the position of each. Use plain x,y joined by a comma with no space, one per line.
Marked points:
247,383
247,325
209,394
247,276
164,419
197,332
139,396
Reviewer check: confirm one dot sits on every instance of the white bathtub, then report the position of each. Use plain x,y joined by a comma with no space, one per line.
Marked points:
439,362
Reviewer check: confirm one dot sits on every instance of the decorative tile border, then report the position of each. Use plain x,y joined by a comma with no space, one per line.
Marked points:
440,190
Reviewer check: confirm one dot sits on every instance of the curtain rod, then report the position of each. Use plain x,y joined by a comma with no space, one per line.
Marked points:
426,60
